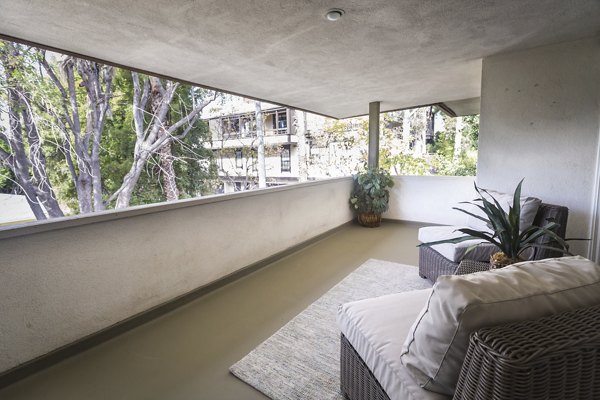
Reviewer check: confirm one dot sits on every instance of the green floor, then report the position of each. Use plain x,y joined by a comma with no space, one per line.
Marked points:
186,353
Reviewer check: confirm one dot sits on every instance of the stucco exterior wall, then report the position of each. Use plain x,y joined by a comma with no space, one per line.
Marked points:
430,198
540,118
249,165
61,281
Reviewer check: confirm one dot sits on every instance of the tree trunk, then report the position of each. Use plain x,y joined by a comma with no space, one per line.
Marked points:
430,125
406,128
165,153
300,127
458,138
168,172
38,161
260,134
29,168
154,135
422,141
85,143
129,181
84,194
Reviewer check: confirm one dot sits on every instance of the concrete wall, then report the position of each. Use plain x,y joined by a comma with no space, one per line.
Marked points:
430,198
63,280
540,118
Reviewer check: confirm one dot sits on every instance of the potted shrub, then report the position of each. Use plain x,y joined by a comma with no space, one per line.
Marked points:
370,195
505,230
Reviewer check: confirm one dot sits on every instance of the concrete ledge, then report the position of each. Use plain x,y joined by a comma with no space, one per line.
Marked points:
111,215
64,280
30,367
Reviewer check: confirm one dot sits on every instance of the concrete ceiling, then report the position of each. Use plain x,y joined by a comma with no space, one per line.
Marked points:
403,53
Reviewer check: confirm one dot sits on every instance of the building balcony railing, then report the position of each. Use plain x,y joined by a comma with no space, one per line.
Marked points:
252,134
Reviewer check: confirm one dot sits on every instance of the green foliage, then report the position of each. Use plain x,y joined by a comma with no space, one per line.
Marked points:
505,227
471,130
406,153
444,162
370,191
7,184
404,164
443,145
195,173
464,165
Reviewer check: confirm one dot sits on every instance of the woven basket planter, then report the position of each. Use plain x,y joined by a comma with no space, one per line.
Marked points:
370,220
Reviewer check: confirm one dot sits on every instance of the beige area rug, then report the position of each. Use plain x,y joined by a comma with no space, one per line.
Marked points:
302,359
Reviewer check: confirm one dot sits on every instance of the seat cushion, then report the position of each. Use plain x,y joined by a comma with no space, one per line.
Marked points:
435,348
456,252
375,328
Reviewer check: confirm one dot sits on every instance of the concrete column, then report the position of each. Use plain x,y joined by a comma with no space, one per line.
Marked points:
374,108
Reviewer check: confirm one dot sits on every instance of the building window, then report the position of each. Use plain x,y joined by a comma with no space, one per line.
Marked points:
238,158
285,159
248,126
280,120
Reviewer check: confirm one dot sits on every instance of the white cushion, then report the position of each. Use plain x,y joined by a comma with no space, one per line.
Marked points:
375,328
459,305
456,252
529,208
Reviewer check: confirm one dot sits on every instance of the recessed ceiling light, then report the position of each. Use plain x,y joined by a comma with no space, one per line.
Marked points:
334,14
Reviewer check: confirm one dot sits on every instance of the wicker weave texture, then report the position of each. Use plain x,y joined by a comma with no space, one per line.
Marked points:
471,266
432,264
356,380
370,220
552,358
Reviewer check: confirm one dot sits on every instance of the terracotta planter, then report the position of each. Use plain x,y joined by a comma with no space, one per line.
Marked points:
501,260
370,220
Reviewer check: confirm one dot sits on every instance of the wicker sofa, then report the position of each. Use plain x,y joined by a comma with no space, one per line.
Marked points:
432,264
552,356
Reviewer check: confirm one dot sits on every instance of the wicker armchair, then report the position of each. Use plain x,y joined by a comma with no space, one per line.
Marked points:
552,358
432,264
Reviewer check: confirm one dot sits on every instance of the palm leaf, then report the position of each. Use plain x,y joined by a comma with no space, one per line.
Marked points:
445,241
546,247
506,231
470,213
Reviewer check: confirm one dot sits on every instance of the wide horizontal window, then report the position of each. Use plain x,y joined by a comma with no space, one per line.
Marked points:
78,136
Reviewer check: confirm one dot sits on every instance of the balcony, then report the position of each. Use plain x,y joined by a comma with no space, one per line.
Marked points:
253,260
249,139
103,269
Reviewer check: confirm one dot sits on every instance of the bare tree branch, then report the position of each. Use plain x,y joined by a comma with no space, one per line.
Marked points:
138,107
72,98
64,96
197,110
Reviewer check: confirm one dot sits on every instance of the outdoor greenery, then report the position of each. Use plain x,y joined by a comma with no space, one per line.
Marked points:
506,233
413,144
370,192
77,136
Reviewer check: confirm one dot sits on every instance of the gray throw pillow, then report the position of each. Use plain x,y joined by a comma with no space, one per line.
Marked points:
529,208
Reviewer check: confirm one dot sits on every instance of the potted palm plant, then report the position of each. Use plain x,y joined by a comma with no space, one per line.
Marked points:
370,195
505,230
